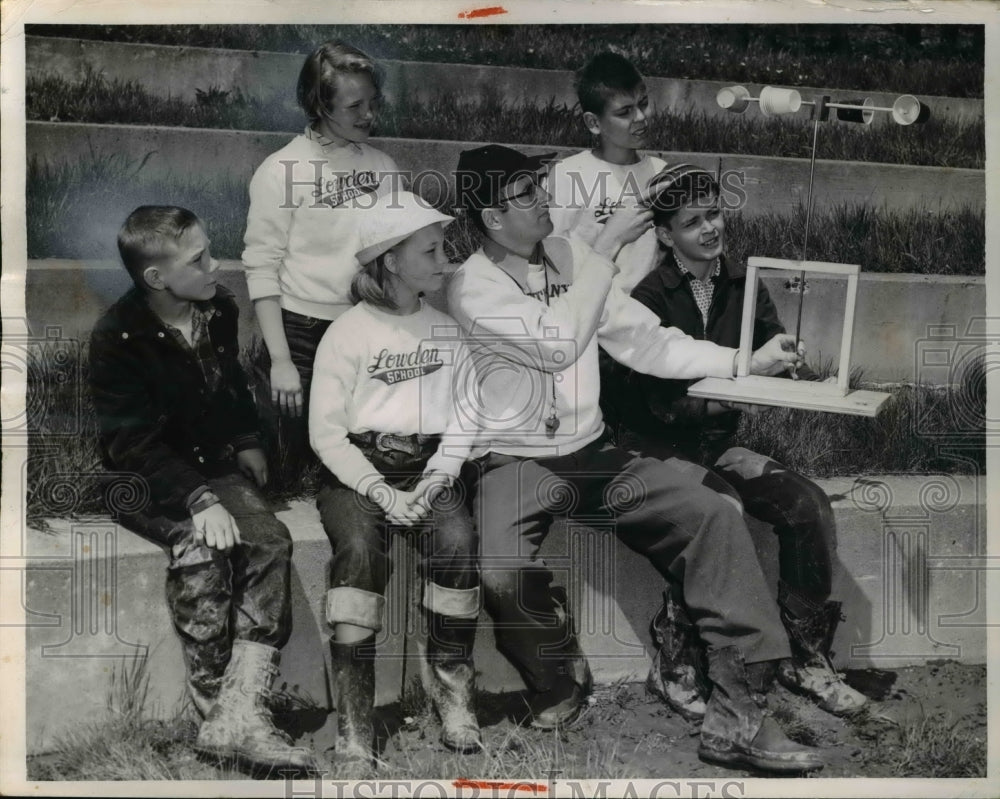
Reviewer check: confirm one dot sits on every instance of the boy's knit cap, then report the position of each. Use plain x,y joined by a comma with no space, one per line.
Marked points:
483,173
663,188
393,217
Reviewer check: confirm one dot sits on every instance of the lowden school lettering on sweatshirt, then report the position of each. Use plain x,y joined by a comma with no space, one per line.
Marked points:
395,367
343,188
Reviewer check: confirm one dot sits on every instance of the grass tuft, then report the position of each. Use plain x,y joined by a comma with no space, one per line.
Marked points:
931,746
127,743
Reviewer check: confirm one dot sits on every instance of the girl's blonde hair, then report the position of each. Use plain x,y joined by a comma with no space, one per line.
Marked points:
369,284
315,89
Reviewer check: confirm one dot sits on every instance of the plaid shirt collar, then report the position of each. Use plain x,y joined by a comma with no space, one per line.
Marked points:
201,344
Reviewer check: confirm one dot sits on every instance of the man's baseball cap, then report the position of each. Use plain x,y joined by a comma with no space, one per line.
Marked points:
483,173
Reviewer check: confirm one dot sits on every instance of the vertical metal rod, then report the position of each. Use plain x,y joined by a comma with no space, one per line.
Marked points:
805,243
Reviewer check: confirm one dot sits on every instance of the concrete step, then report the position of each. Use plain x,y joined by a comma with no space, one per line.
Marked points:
271,78
756,184
911,571
897,318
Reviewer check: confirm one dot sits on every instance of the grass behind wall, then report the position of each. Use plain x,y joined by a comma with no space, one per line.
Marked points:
96,99
944,60
74,211
911,435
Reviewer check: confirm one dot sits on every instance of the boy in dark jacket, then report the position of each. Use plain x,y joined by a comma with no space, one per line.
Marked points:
174,408
696,289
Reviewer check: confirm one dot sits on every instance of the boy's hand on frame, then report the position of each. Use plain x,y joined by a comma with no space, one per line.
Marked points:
216,528
286,388
253,464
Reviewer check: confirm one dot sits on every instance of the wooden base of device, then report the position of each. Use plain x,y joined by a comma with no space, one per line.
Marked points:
786,393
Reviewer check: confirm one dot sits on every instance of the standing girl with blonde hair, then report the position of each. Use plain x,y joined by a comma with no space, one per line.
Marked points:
301,239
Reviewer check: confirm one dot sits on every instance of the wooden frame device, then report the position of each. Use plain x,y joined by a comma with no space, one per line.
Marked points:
782,391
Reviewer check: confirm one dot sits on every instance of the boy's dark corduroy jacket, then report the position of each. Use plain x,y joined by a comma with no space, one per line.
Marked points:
653,407
155,416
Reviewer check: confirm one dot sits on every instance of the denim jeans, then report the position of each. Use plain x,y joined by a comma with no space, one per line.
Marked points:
798,509
694,538
359,536
303,334
215,597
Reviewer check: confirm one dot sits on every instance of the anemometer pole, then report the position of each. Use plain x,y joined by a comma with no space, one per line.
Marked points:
805,242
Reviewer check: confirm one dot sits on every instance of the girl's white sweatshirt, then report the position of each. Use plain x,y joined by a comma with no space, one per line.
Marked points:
379,371
521,347
302,229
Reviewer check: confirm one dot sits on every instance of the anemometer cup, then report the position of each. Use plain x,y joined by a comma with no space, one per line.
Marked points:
734,99
774,101
864,113
908,110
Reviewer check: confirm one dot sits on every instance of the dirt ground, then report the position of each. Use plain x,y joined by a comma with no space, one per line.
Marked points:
627,733
929,722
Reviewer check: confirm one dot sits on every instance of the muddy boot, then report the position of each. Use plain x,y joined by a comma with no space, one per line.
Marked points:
810,672
240,726
677,675
354,684
565,699
203,695
451,681
736,730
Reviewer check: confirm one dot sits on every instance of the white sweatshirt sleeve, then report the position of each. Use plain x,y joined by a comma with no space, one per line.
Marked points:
336,372
488,305
632,335
269,222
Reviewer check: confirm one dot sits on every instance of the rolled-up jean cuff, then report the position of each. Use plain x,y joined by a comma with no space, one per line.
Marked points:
459,603
348,605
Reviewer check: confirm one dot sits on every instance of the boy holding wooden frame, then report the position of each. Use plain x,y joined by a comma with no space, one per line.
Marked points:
696,289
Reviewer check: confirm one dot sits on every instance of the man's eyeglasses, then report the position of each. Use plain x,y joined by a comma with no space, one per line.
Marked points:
529,192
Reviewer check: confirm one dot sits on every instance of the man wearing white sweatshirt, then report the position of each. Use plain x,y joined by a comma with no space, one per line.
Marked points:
535,310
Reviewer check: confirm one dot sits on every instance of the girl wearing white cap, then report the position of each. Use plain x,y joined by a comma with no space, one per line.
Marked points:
385,421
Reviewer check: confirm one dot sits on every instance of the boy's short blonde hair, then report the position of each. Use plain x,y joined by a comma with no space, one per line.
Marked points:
147,232
315,89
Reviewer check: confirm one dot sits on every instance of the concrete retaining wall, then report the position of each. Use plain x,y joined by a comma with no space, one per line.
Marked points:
271,78
910,571
894,312
756,183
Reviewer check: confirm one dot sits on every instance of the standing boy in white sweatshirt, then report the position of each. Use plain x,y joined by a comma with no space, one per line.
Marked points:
587,188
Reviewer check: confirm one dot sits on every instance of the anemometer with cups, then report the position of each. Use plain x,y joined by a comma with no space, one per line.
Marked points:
756,389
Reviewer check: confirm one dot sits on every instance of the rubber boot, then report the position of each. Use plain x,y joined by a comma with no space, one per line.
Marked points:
811,626
354,684
239,725
678,672
451,681
565,699
736,730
